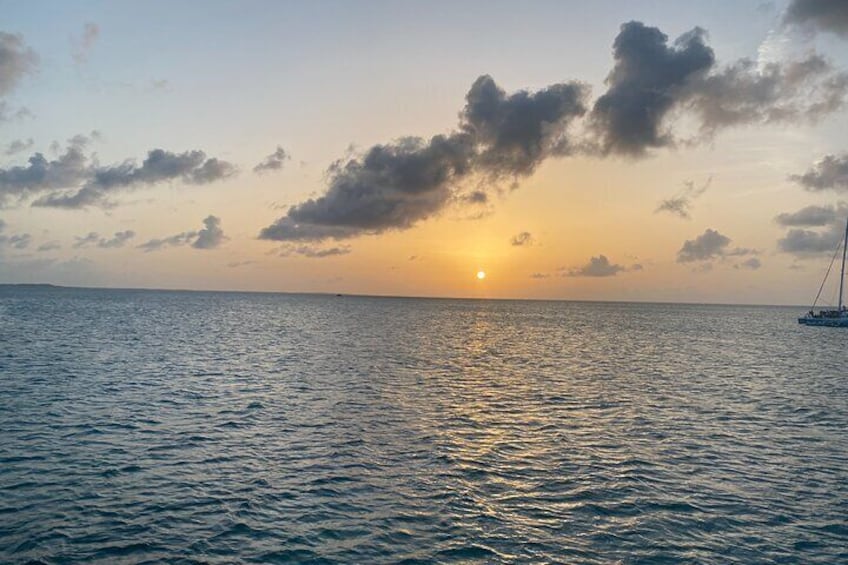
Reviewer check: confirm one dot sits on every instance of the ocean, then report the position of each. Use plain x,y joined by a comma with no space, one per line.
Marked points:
204,427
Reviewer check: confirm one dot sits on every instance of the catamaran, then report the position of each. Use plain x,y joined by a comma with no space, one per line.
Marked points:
833,318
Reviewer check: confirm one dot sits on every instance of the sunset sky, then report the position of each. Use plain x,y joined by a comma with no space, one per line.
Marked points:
638,150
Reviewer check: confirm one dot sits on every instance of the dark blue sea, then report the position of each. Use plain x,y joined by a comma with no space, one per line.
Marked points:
195,427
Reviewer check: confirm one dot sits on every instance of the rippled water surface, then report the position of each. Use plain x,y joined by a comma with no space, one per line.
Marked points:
140,426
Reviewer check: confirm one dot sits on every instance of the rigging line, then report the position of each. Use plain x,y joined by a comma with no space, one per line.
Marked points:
832,259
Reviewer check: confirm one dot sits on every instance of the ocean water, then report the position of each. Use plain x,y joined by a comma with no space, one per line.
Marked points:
191,427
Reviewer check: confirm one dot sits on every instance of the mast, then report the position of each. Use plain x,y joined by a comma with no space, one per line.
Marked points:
842,273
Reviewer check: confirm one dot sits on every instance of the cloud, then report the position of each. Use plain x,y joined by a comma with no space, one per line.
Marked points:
159,84
18,145
93,238
645,83
395,185
831,172
813,216
177,240
708,245
312,251
518,131
653,81
16,241
476,197
209,237
273,162
596,267
119,239
820,15
390,187
680,204
236,264
49,246
94,184
16,61
802,242
89,239
82,46
540,275
522,239
41,174
777,92
753,264
8,114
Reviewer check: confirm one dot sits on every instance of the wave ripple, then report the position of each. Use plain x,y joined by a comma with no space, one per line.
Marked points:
224,427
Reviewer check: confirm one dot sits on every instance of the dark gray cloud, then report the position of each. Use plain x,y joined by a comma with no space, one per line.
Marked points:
16,60
813,216
118,240
822,15
41,174
211,170
522,239
177,240
476,197
82,45
211,235
191,167
93,239
312,251
72,180
391,187
273,162
18,145
517,131
709,245
651,79
646,82
802,242
598,266
745,93
680,204
396,185
831,172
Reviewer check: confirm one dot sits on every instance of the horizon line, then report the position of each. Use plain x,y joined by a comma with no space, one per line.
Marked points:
397,296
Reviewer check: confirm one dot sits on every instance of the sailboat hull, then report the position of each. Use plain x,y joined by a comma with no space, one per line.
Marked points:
835,322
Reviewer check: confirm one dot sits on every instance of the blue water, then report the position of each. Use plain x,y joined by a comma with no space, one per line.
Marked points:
141,426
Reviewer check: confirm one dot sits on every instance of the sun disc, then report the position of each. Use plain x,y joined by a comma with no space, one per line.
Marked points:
481,275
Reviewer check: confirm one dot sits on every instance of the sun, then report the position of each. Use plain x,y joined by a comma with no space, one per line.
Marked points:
481,275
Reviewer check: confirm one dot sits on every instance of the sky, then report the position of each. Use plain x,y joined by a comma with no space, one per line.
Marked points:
610,150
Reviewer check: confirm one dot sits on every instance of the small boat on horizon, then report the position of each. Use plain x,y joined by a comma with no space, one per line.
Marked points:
833,317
